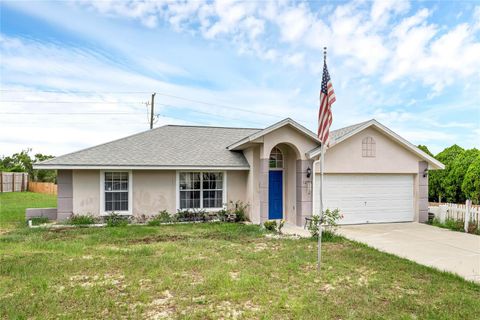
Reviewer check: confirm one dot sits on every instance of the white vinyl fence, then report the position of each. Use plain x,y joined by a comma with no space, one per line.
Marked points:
456,212
13,181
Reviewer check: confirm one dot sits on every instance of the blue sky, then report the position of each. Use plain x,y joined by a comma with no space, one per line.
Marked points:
75,74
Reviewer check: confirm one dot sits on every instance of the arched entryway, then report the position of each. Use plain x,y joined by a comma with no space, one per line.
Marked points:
275,184
282,182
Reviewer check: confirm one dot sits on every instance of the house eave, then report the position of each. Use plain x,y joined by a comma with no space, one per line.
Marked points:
240,144
134,167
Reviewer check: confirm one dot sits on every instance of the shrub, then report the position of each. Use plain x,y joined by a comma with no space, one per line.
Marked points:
162,217
116,220
330,219
78,220
240,210
280,225
270,225
190,215
223,215
39,220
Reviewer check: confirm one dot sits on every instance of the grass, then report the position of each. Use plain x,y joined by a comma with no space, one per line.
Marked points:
456,225
212,271
13,205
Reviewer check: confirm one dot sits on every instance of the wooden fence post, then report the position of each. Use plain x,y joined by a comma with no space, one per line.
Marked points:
1,182
13,181
468,204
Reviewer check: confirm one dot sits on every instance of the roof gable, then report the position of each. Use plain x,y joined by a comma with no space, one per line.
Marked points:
286,122
344,133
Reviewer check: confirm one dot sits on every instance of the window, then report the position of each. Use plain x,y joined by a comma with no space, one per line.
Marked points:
276,159
116,191
201,190
368,147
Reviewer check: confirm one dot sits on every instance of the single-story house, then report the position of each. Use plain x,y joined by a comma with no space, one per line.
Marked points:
371,174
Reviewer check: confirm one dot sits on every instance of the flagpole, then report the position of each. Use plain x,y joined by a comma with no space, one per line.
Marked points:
320,213
322,165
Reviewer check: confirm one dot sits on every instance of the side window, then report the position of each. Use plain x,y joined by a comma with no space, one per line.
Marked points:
368,147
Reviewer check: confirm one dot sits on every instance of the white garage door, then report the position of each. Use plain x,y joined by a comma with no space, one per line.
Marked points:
368,198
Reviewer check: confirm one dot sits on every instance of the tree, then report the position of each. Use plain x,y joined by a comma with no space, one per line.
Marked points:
425,149
471,182
23,162
437,184
458,168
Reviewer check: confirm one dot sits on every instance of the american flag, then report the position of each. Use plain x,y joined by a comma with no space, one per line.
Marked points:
327,98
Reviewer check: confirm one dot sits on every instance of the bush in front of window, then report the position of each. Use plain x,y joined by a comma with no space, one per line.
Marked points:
116,220
239,208
79,220
161,218
192,215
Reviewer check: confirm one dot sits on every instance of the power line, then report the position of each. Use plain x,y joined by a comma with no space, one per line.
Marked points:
66,102
70,113
131,92
219,105
73,91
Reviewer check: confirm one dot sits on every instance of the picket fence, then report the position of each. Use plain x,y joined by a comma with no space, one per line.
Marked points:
13,181
456,212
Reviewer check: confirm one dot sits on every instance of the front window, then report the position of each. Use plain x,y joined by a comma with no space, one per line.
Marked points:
201,190
116,191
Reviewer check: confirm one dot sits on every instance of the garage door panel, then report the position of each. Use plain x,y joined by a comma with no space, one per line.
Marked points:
369,198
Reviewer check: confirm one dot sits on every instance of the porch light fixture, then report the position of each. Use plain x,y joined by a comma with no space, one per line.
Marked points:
309,172
425,173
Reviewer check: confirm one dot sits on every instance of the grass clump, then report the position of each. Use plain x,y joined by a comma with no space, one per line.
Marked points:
116,220
39,220
79,220
161,218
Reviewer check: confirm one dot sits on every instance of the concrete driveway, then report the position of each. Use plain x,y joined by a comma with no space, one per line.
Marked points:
443,249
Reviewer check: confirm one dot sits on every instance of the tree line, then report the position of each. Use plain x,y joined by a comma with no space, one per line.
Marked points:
23,162
460,180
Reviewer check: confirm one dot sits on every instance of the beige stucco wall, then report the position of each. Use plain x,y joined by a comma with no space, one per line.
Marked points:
153,191
237,186
252,189
290,183
86,192
346,157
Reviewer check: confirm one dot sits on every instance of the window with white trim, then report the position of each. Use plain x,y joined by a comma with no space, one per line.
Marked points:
276,159
201,190
116,191
368,147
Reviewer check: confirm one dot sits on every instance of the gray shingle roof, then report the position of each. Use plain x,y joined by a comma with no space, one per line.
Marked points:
171,145
339,133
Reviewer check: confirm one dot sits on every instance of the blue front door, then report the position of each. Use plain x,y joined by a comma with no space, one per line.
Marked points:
275,195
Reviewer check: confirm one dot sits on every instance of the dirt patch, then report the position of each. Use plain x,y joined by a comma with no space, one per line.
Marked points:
235,275
158,238
160,308
107,279
260,247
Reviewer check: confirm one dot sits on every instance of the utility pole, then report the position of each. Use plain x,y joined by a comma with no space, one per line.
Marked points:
152,109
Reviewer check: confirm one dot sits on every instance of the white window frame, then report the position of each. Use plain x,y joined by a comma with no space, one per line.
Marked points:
224,191
128,212
277,152
369,147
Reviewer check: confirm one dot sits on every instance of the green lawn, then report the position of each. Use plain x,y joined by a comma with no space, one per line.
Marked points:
212,271
13,205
